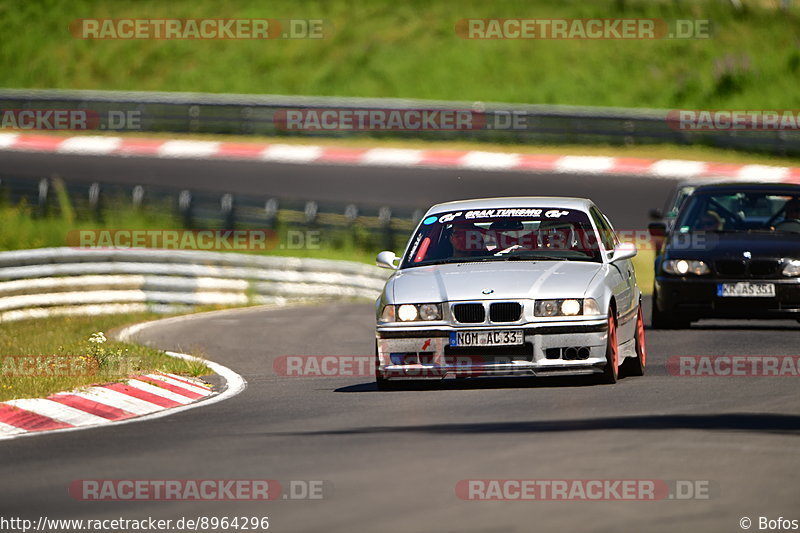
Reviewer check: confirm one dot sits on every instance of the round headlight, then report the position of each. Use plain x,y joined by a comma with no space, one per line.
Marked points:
570,307
682,267
548,308
429,312
407,312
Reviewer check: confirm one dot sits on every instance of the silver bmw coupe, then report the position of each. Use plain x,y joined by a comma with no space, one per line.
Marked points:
527,286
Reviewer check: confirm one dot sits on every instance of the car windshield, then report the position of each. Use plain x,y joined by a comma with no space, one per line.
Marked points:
741,211
535,234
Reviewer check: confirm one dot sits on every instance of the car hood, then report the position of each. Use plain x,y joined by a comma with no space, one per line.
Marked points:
506,280
733,245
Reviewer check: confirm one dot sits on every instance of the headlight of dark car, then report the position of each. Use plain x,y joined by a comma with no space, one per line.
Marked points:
792,268
682,267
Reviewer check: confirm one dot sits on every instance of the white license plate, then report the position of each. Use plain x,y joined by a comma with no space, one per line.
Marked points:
497,337
752,290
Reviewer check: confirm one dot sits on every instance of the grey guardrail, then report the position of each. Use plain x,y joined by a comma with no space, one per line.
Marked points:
255,114
64,281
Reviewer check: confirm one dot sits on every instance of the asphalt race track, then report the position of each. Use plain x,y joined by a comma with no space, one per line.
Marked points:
390,461
625,198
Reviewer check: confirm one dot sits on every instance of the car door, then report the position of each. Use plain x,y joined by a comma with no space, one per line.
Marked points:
622,278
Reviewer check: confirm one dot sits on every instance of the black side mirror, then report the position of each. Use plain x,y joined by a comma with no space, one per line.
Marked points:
657,229
656,214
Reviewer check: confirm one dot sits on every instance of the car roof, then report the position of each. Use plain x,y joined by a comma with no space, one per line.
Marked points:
738,186
556,202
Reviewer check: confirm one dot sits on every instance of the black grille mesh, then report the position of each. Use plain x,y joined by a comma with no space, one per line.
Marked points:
469,313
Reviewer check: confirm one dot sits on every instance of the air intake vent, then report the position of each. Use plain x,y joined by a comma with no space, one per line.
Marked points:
469,313
505,312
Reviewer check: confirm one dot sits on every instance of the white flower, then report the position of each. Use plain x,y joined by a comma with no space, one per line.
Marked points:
97,338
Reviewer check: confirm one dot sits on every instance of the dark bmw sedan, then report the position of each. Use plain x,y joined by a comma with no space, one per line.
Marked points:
734,252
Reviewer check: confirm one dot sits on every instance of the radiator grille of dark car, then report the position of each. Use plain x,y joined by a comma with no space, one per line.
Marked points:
730,267
469,313
736,268
763,268
505,312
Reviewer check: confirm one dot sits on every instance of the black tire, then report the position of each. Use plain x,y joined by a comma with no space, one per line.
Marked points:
611,371
634,366
661,320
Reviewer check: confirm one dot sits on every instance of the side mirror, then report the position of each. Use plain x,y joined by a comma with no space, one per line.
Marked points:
624,250
386,259
657,229
656,214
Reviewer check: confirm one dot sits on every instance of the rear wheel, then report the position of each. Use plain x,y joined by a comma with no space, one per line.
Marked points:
611,371
661,320
634,366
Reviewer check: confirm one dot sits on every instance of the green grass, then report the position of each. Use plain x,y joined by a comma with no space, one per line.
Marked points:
384,48
92,363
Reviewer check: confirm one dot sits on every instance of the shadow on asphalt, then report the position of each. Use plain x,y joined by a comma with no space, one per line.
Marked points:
480,383
751,422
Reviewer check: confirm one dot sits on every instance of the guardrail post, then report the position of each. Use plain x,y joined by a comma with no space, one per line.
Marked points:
271,213
385,216
228,211
94,201
41,202
185,208
137,197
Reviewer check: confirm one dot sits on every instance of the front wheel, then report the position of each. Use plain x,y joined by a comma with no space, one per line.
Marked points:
634,366
611,371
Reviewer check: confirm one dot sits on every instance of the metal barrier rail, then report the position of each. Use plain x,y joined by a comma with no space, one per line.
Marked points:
256,114
65,281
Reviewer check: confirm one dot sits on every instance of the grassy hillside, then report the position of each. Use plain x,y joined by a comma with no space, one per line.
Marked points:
387,48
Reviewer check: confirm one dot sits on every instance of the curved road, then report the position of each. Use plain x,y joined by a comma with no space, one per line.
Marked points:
390,461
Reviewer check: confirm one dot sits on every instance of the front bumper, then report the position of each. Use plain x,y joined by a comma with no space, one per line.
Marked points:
697,298
553,348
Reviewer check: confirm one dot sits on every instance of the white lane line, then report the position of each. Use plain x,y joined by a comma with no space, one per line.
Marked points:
581,163
158,391
489,160
7,429
90,145
119,400
392,157
677,167
763,173
56,411
189,149
191,388
8,140
290,153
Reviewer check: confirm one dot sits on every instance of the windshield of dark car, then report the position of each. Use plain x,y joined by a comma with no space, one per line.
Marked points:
503,235
741,211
